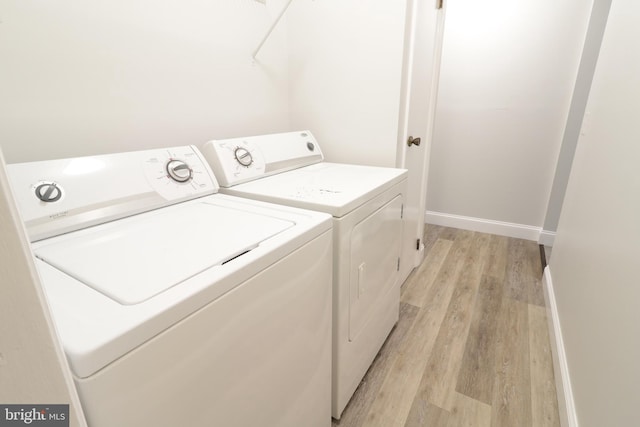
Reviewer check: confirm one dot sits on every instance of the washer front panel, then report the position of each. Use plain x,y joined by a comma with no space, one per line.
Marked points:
258,356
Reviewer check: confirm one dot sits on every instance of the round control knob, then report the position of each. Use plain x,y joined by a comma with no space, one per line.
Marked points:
48,192
179,170
243,156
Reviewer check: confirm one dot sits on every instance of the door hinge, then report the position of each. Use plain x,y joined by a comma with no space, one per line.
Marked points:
439,4
418,245
398,267
401,211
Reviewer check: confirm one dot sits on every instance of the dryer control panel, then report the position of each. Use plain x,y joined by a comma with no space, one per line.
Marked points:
58,196
239,160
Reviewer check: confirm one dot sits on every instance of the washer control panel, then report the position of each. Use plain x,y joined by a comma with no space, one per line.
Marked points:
58,196
179,171
48,191
176,173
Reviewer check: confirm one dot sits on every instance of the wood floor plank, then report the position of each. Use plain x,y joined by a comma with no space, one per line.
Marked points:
524,272
414,291
511,403
476,375
468,412
430,236
394,400
439,379
392,403
424,414
448,233
536,292
544,405
433,233
357,409
496,265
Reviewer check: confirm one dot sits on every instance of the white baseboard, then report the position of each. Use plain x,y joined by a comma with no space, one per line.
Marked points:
547,238
509,229
566,406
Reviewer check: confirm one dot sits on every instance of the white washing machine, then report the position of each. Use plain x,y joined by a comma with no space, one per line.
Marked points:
177,306
366,204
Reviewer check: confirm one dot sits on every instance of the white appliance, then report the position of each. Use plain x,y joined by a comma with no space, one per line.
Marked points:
177,306
366,204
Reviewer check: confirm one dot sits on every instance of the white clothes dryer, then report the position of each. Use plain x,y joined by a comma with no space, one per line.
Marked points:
367,207
177,306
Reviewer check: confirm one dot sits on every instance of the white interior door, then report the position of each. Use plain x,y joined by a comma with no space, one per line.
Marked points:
420,88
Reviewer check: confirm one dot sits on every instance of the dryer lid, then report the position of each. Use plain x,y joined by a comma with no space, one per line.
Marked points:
334,188
135,258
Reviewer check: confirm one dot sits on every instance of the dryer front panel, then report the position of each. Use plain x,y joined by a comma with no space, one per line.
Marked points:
375,253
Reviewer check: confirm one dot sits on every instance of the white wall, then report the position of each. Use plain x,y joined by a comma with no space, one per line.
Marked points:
33,369
345,76
597,24
594,264
508,72
81,78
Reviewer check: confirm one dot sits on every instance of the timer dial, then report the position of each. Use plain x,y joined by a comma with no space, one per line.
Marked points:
48,192
243,156
179,171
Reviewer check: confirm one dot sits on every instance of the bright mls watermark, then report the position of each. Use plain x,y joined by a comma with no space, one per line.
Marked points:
34,415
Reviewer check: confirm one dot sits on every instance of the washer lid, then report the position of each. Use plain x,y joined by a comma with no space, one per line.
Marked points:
133,259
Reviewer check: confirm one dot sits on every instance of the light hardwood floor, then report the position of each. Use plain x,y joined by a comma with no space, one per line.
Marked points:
471,347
